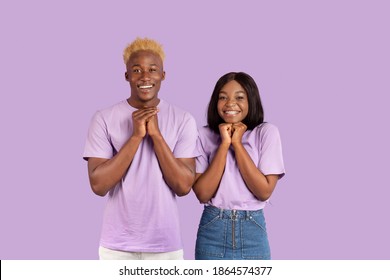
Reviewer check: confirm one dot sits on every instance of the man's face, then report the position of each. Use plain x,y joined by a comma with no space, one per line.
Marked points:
144,73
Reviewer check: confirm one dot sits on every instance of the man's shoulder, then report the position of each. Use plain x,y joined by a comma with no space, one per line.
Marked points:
116,108
172,108
113,107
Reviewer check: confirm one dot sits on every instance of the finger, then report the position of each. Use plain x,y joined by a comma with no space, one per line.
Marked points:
149,108
144,114
225,125
141,111
239,126
152,118
147,117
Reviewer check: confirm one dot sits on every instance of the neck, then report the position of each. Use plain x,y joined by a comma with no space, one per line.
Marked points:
143,104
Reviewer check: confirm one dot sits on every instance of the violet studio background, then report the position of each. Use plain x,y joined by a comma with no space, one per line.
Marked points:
323,71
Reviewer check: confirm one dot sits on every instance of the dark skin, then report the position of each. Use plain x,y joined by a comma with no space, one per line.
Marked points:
144,74
233,108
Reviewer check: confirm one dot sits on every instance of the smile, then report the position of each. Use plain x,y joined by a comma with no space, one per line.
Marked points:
231,113
145,86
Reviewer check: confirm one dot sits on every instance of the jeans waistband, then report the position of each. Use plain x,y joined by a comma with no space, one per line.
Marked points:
233,214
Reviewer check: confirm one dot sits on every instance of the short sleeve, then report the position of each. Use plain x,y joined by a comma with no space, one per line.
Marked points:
98,143
202,162
186,144
271,157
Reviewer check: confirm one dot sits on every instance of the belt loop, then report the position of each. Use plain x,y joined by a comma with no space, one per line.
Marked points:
220,213
248,215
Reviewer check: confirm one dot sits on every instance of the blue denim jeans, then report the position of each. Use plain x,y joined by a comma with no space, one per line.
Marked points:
232,235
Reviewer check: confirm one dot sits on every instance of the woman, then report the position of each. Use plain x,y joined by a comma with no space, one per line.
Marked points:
237,171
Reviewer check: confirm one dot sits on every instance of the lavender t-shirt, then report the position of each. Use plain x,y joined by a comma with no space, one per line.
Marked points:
264,147
141,214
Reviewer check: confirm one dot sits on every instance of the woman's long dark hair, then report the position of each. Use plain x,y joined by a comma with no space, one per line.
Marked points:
255,108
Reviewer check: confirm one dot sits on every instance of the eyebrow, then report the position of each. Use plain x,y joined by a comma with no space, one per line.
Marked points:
239,91
139,65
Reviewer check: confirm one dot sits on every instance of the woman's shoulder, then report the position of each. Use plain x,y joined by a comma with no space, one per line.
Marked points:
266,129
207,134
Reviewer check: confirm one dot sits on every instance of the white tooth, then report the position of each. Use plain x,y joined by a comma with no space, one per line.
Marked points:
145,87
231,112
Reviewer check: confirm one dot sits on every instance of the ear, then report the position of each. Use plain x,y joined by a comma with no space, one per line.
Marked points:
126,76
163,76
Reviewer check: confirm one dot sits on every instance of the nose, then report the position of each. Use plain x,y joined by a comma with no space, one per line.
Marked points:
230,103
145,76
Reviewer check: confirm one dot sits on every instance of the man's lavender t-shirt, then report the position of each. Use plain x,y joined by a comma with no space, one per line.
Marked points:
141,214
263,146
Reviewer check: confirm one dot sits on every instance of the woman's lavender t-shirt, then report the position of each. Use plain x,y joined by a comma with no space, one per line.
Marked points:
264,147
141,214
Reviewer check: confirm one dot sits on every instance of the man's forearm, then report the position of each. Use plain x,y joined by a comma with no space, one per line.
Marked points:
179,174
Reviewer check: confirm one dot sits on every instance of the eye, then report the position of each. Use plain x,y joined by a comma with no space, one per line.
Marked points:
153,70
221,97
240,97
136,70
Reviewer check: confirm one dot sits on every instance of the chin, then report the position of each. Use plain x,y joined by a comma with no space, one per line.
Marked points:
147,97
232,121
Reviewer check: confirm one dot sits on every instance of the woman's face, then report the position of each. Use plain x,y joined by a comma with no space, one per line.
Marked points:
232,103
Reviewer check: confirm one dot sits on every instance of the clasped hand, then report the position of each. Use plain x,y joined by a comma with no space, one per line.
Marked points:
145,121
232,133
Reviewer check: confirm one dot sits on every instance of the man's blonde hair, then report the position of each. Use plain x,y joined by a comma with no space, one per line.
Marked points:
143,44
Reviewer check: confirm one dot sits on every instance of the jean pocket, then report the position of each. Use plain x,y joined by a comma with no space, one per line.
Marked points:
255,243
211,237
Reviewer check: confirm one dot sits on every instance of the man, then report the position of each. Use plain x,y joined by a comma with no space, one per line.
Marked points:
141,152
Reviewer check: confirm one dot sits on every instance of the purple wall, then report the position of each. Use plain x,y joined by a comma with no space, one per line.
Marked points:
323,73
